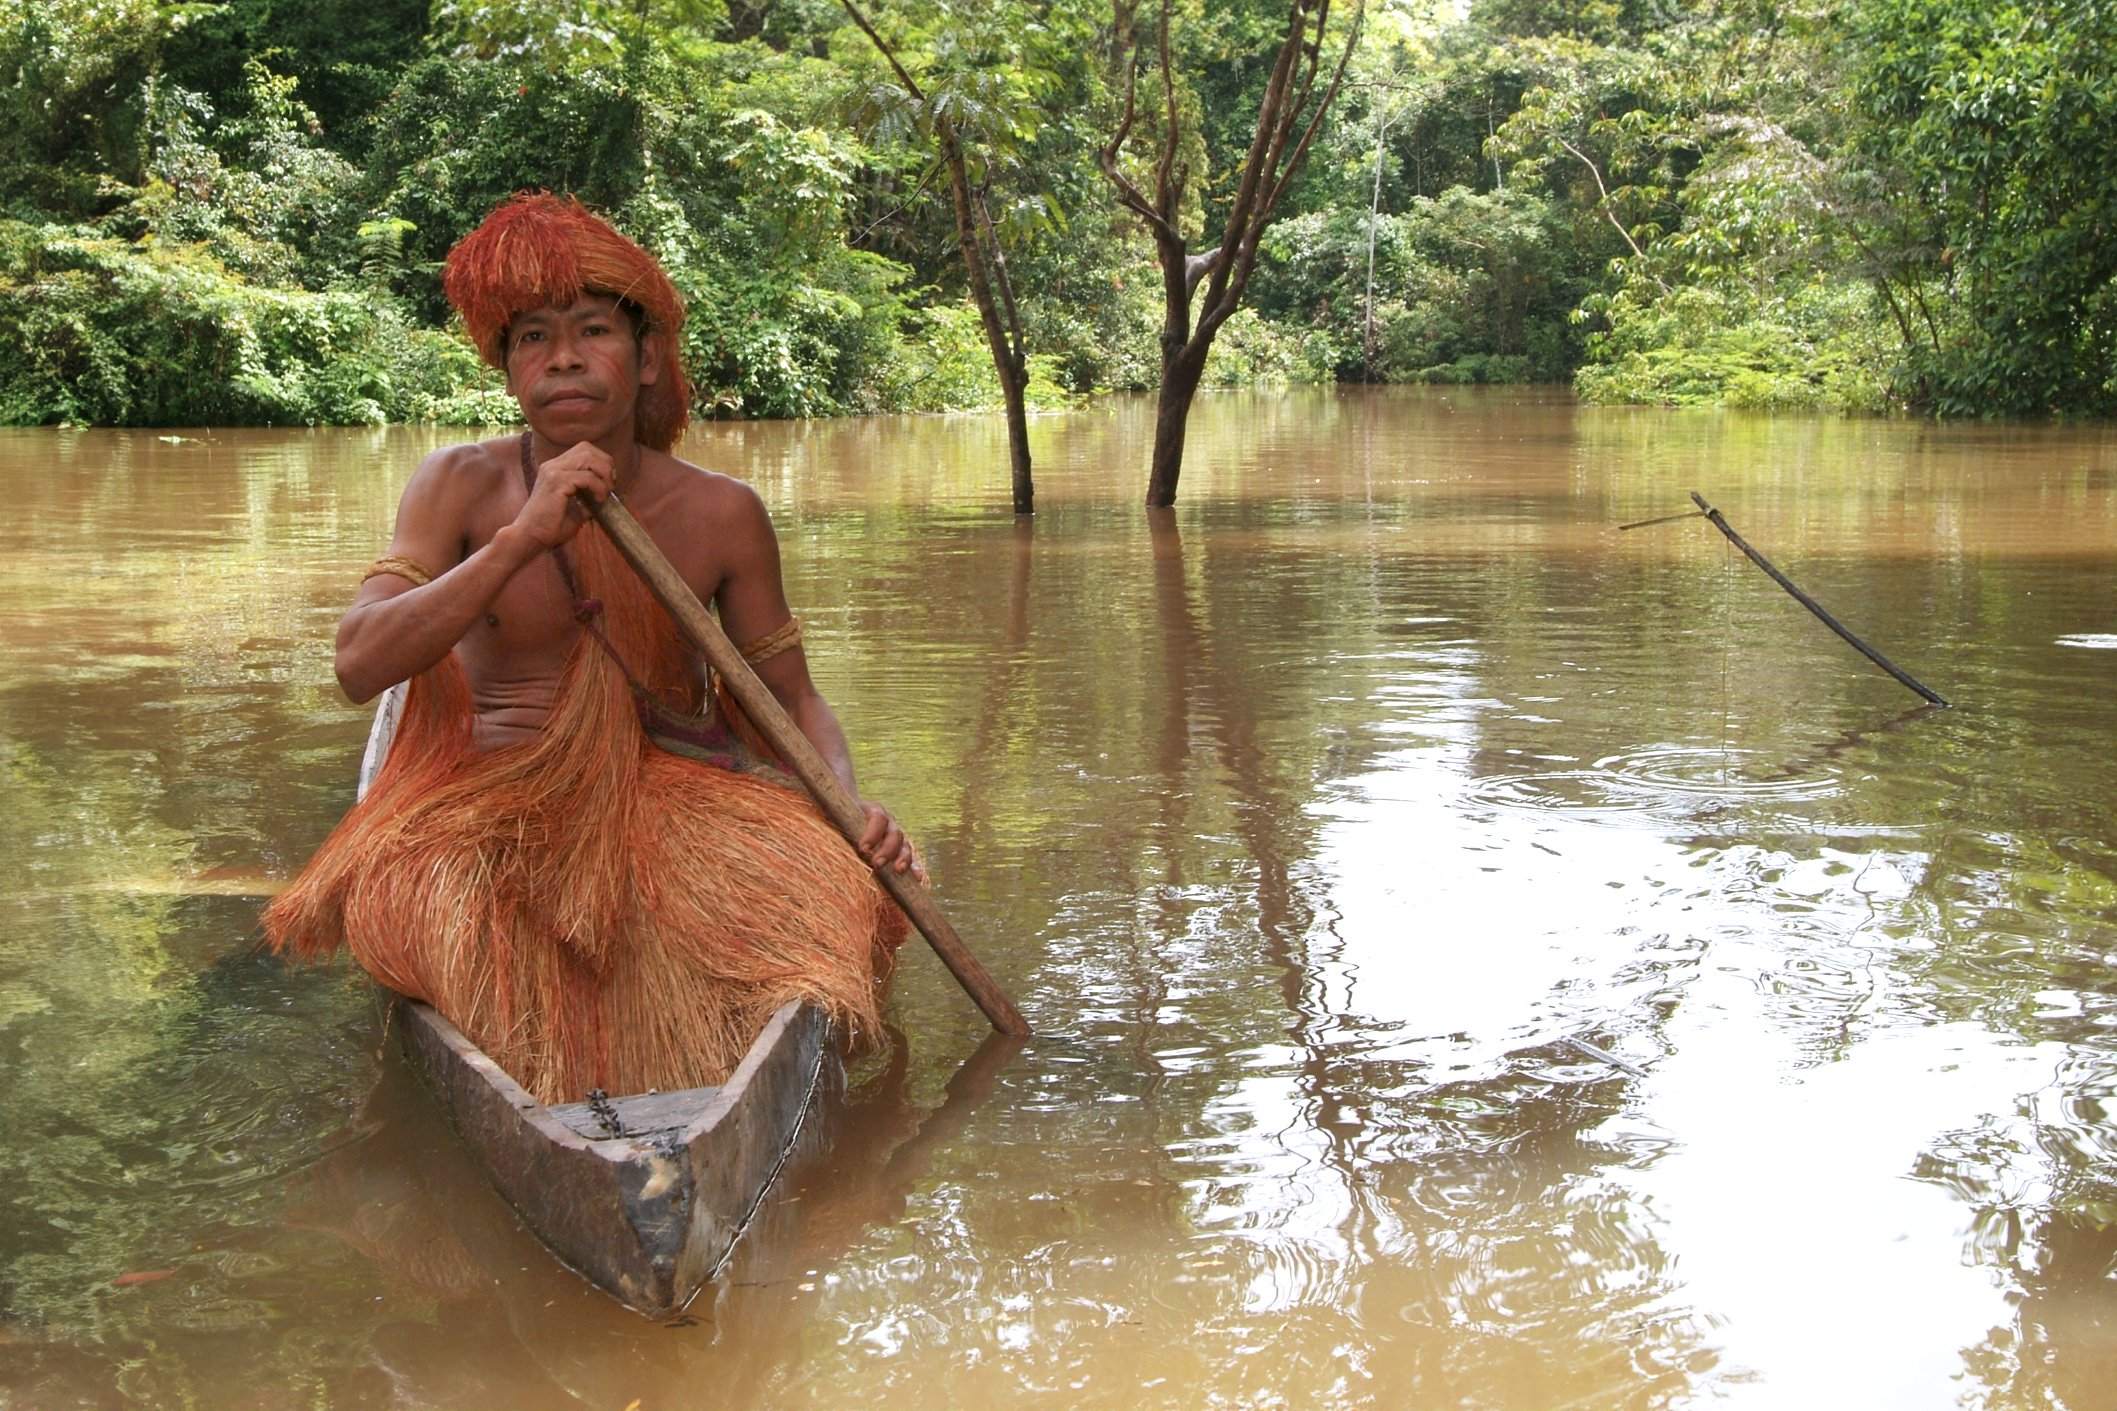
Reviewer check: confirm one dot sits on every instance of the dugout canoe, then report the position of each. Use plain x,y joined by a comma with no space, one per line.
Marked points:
646,1195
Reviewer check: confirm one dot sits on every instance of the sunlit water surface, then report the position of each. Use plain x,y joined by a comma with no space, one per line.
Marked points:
1317,827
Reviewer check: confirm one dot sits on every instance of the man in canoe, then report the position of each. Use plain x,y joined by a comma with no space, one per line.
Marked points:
573,850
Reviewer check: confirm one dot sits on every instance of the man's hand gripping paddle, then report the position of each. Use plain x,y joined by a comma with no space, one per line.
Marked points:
785,737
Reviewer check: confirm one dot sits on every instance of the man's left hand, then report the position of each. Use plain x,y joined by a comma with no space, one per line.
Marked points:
884,845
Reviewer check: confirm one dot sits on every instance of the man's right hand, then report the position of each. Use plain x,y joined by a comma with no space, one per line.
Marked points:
553,514
394,630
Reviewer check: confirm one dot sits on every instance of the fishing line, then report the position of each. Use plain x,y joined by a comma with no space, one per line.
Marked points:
1727,652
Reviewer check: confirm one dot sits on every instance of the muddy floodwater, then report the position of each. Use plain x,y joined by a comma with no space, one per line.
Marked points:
1326,830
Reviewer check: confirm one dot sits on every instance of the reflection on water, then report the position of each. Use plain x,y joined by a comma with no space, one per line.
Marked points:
1322,827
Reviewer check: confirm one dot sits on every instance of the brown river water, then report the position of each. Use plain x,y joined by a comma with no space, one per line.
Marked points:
1317,827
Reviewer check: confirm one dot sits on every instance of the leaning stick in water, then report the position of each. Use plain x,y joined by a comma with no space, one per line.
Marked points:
1588,1050
779,730
1720,523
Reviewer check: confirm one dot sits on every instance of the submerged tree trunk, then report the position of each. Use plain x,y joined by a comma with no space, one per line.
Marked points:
1172,417
1014,390
1183,368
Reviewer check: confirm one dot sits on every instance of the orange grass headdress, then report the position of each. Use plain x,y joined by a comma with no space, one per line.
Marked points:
537,249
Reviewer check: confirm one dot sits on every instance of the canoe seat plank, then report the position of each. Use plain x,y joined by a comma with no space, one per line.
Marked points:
642,1115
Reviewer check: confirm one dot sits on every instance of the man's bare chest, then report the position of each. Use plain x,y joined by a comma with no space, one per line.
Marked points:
532,618
531,625
534,621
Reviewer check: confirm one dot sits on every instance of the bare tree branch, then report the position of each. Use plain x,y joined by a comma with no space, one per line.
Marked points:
1224,295
1129,195
1315,122
1168,194
1609,210
1268,112
911,85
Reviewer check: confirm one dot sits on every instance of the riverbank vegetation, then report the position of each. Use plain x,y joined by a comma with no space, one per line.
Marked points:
235,212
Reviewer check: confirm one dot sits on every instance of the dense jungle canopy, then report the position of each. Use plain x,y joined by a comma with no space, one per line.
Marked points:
235,212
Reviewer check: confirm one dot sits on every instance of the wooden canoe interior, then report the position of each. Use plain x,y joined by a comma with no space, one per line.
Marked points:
651,1215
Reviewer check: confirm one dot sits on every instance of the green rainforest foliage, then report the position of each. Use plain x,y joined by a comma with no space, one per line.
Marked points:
236,212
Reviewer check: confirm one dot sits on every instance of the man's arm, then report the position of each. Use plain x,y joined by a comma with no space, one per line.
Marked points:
752,602
395,630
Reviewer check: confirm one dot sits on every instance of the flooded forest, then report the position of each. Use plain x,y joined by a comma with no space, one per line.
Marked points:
1486,944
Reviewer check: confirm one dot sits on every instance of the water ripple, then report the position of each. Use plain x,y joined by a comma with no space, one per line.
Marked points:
1660,778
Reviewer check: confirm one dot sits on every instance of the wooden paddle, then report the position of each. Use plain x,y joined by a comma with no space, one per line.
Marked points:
785,737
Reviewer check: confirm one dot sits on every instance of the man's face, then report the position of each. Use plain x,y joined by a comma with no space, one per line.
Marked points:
577,369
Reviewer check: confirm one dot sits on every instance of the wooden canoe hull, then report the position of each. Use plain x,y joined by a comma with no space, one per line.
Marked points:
651,1215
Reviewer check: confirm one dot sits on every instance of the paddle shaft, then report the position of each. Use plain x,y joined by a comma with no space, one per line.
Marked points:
793,747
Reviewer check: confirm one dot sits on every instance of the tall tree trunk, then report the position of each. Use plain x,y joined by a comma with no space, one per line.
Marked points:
984,267
1289,114
1003,328
1183,360
1374,216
